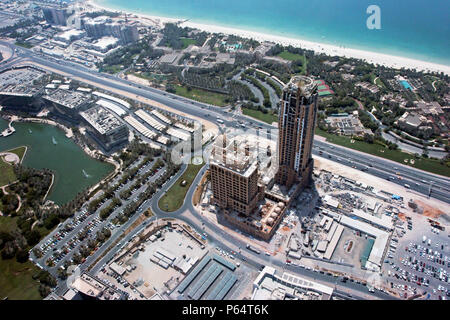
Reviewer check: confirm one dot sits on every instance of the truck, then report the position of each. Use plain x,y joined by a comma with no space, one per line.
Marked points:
424,238
220,121
251,248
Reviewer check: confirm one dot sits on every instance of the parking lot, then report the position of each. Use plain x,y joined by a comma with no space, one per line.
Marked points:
419,264
59,246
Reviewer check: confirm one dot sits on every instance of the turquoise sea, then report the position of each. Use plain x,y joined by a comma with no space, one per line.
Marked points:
418,29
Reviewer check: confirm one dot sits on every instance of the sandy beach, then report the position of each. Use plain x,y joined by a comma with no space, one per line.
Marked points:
371,57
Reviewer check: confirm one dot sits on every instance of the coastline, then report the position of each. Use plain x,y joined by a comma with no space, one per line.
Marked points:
331,50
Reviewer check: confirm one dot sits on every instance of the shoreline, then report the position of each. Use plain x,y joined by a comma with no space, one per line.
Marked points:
387,60
69,135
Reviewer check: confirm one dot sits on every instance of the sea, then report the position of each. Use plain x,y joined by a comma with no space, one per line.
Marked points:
418,29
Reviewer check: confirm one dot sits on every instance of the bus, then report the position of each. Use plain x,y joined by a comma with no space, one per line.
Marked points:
249,247
220,121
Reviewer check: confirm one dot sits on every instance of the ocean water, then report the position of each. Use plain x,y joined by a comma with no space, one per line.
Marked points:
418,29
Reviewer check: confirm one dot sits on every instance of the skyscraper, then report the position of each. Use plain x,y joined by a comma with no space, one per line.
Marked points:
55,15
296,131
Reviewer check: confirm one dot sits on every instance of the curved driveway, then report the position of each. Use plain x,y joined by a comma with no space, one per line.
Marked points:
226,241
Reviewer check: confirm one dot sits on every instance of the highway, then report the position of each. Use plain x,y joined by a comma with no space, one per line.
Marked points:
418,180
380,167
216,236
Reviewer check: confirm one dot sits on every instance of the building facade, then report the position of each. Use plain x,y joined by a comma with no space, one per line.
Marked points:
55,15
99,27
234,177
296,131
105,128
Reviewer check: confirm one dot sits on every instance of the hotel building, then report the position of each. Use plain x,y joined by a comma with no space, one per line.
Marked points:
296,132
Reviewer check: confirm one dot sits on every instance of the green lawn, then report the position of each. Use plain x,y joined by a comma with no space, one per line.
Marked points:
290,56
24,44
266,117
112,69
6,173
7,224
429,165
16,281
174,197
6,170
187,42
214,98
377,81
149,76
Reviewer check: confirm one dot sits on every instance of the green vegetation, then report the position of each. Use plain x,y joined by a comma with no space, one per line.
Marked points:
290,56
7,224
16,280
425,164
18,277
174,197
298,60
126,56
106,212
240,92
101,13
112,69
275,87
176,37
187,42
150,76
258,114
7,170
196,80
261,88
7,173
214,98
23,44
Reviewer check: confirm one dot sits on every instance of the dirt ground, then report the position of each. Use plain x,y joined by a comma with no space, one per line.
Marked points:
137,80
6,52
429,211
432,207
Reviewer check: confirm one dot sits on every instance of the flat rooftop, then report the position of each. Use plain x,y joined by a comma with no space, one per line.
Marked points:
67,98
19,81
272,284
102,120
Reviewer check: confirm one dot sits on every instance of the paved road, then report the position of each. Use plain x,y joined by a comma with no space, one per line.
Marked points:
198,109
418,181
89,220
217,236
440,188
